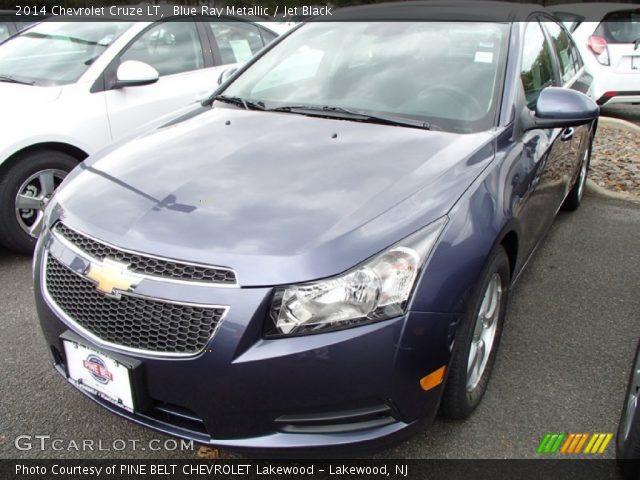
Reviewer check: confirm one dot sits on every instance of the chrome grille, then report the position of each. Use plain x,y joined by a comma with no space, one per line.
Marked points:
146,265
133,322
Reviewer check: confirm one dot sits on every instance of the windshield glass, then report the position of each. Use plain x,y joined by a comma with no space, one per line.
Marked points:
57,53
445,74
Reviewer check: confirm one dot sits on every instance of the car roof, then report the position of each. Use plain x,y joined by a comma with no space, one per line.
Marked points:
461,10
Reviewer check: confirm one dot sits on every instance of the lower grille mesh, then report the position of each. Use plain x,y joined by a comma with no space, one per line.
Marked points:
133,322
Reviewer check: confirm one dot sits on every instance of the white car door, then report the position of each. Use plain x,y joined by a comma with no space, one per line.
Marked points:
175,50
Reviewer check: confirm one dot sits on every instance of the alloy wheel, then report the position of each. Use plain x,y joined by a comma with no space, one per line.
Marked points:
33,196
484,332
584,166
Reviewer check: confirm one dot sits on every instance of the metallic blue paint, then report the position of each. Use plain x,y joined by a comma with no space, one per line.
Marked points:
277,198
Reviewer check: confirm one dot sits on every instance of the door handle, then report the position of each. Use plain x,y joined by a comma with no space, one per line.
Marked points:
567,134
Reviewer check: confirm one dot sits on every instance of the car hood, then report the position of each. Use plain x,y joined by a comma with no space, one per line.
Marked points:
16,98
279,197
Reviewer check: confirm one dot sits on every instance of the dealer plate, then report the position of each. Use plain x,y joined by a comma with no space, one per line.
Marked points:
99,374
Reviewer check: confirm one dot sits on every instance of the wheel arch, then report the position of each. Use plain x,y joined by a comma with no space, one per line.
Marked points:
72,150
510,243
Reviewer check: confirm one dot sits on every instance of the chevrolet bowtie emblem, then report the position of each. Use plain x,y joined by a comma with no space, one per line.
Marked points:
112,277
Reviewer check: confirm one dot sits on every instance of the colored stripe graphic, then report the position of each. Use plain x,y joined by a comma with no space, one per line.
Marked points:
594,437
557,443
565,447
573,443
551,442
543,443
598,443
581,443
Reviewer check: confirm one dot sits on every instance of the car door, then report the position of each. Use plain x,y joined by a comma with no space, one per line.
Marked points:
175,49
544,150
572,75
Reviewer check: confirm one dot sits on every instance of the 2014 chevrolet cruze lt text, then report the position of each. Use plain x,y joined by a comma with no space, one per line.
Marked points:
321,253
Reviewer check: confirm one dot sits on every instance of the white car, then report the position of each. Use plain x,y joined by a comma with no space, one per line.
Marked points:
609,46
68,89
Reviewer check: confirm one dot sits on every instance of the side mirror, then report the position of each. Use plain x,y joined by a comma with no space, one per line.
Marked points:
224,76
133,73
560,108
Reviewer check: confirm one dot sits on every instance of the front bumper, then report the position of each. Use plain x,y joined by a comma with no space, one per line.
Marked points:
355,386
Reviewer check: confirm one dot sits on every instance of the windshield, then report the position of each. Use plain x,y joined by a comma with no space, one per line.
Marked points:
56,53
445,74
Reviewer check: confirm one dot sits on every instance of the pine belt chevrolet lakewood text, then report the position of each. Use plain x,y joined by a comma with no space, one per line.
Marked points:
321,253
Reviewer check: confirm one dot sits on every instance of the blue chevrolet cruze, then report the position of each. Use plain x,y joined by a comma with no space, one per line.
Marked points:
321,253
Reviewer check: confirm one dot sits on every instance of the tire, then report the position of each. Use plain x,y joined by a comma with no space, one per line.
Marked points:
464,389
628,436
574,199
34,174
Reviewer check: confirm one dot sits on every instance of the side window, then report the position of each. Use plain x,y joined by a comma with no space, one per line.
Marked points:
562,46
575,55
4,30
237,41
537,69
169,47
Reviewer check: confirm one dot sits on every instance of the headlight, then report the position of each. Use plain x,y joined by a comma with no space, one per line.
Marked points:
376,290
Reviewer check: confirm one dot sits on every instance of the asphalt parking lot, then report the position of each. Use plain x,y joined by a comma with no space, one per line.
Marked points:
565,355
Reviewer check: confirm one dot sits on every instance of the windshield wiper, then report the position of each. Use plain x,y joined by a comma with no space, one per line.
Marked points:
242,102
356,115
8,79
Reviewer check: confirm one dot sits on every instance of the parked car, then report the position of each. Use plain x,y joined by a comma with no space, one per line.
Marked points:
609,46
11,24
324,257
68,89
628,438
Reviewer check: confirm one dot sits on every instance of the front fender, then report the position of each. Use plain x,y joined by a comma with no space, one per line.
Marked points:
477,223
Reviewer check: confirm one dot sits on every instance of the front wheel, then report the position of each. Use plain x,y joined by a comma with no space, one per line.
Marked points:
574,199
26,188
477,339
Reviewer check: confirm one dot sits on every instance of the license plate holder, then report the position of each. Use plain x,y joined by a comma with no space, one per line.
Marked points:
635,62
110,376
